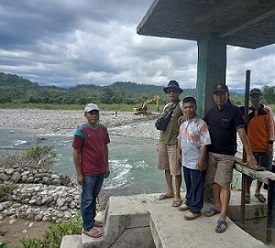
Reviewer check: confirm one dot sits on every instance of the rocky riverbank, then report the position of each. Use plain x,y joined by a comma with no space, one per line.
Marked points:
41,197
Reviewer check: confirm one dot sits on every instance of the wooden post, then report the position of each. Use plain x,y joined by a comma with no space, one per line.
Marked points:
244,177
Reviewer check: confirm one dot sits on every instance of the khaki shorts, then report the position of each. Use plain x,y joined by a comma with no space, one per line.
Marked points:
220,169
167,159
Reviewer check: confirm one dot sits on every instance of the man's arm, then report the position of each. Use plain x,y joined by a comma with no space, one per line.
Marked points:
107,171
202,158
179,152
251,161
77,159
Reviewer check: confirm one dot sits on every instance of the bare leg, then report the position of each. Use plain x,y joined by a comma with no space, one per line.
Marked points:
178,180
225,198
216,194
258,187
248,185
168,177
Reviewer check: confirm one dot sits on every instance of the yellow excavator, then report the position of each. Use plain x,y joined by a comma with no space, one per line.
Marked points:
144,107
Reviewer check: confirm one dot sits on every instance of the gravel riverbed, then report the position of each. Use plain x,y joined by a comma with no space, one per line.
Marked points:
118,123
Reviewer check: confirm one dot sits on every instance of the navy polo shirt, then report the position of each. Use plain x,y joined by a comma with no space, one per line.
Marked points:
223,124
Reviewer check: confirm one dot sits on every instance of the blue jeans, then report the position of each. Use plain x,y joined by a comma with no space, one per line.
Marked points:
91,187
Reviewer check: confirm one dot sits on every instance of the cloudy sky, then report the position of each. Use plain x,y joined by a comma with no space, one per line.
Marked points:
70,42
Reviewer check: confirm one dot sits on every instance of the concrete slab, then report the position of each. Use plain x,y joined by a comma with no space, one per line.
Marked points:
144,221
73,241
168,227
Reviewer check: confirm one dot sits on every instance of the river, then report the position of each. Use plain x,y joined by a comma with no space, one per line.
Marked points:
132,160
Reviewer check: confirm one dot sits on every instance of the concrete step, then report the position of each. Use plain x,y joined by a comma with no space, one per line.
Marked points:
71,241
144,221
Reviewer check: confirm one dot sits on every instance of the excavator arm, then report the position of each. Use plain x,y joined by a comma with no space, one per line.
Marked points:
144,107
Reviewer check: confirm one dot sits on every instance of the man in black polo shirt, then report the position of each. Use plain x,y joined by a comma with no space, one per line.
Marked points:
223,121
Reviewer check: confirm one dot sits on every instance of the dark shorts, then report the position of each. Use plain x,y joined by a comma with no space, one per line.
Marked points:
264,159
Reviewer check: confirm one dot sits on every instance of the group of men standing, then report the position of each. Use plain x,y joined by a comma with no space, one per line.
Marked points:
208,147
196,146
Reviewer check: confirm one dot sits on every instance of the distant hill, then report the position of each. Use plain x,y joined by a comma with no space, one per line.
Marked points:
16,88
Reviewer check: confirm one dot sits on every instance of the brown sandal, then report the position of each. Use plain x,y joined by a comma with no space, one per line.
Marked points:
92,233
98,223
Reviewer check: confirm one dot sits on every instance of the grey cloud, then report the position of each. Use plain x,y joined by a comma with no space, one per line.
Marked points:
95,42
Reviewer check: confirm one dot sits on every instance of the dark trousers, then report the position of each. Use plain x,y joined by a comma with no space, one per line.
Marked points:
194,182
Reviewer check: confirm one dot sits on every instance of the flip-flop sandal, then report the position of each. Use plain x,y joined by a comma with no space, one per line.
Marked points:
176,203
221,226
94,234
211,212
165,196
98,223
260,197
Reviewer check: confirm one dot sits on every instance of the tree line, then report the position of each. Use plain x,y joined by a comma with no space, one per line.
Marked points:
16,89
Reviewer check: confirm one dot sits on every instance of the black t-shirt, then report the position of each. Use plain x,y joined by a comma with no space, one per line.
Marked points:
223,124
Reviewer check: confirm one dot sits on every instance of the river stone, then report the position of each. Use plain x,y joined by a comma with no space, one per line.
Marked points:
16,177
4,177
10,171
25,173
29,180
60,202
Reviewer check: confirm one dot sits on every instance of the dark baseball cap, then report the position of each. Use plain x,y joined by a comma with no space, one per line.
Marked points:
220,88
255,92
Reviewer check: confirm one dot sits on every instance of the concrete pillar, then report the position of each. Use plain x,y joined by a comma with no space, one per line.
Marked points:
211,70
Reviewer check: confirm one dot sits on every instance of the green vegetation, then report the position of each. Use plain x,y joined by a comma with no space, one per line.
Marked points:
53,236
17,92
5,191
35,157
39,156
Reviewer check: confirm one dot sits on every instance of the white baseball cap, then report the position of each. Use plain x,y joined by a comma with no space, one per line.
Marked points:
91,106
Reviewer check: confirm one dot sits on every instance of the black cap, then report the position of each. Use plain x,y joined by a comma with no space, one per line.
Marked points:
173,85
220,88
255,92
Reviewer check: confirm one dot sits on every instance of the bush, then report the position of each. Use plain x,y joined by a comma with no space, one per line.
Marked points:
53,237
35,157
39,156
5,191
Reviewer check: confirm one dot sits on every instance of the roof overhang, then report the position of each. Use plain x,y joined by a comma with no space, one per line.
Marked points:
243,23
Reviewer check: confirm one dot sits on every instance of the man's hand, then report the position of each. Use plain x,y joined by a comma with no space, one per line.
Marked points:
79,178
181,119
179,158
251,161
201,164
107,173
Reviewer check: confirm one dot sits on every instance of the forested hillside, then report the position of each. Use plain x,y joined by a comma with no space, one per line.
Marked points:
15,89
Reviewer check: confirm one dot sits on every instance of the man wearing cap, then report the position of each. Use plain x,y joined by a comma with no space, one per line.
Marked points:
260,132
224,120
90,156
167,148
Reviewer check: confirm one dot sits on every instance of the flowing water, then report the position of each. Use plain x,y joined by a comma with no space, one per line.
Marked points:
132,161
